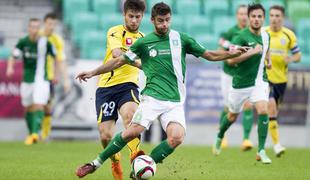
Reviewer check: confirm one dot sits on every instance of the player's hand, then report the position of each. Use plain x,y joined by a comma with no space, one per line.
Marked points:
9,72
243,49
83,76
269,65
287,59
67,86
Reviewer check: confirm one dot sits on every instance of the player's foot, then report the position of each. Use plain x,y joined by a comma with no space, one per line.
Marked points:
136,154
246,145
117,170
279,149
224,143
85,169
216,148
262,156
46,128
32,139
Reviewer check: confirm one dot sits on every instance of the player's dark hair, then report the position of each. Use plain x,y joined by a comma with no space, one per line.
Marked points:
278,7
241,6
33,20
135,5
160,9
50,16
255,6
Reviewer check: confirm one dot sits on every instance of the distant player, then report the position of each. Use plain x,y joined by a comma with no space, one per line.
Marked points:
35,89
250,80
117,91
227,75
282,40
162,55
50,23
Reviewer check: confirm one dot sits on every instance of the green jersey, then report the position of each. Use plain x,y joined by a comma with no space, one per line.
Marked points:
229,35
252,71
163,62
34,57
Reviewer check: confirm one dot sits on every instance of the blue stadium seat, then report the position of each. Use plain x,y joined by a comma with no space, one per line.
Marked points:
93,45
83,22
106,22
222,24
178,23
189,7
298,10
199,25
214,8
72,7
105,7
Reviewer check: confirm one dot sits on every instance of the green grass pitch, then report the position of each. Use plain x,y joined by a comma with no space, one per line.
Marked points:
59,159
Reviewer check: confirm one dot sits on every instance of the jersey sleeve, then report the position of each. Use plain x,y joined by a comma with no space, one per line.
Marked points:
17,52
114,39
293,43
238,40
51,50
134,51
59,46
192,46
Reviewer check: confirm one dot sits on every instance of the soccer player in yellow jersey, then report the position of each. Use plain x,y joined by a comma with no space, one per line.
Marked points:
50,23
282,40
118,90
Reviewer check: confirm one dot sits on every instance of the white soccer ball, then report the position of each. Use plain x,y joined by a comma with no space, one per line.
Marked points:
144,167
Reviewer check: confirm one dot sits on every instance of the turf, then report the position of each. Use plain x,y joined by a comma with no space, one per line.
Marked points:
59,159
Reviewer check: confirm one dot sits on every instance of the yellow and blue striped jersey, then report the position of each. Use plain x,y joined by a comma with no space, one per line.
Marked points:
119,37
281,43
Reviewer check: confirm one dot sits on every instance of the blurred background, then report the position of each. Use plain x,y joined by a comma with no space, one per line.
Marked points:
84,23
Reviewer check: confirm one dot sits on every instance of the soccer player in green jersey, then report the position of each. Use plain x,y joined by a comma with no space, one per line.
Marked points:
226,79
35,89
162,55
250,80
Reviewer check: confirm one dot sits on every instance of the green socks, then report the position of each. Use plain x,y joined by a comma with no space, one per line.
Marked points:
223,114
161,151
29,117
37,118
225,124
247,122
116,145
262,130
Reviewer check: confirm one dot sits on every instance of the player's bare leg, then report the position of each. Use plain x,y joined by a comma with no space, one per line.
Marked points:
106,129
127,111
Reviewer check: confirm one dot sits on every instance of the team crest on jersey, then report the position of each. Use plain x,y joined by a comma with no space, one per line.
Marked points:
128,41
283,41
153,53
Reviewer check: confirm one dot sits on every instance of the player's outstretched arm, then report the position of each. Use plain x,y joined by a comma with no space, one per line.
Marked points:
220,55
251,52
293,58
10,67
104,68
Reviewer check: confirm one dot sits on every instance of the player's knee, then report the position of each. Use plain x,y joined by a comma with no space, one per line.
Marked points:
175,140
106,136
128,117
232,117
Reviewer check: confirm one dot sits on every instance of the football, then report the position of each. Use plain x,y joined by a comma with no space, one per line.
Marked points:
144,167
